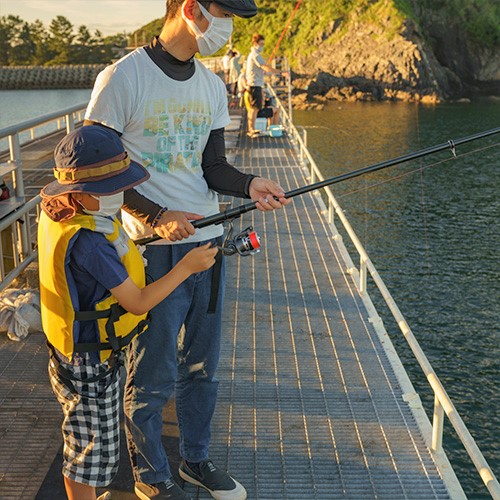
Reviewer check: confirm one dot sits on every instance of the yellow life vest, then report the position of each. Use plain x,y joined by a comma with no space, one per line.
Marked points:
60,310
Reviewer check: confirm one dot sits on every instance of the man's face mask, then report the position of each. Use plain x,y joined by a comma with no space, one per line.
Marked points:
108,205
217,34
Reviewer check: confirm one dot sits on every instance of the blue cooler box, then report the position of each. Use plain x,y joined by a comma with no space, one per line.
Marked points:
261,124
276,130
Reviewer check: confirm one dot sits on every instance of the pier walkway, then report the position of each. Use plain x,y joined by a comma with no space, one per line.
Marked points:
313,401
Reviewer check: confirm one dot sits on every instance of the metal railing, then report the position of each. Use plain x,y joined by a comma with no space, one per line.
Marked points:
442,402
64,118
19,216
19,229
214,64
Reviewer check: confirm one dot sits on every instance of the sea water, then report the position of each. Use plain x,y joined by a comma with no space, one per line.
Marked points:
17,106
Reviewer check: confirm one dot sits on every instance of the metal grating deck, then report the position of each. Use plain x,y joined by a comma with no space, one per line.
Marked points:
309,404
30,431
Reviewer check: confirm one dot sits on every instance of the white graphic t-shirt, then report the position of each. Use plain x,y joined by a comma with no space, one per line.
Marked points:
165,125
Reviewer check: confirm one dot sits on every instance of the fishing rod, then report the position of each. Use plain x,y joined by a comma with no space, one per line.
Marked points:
247,242
273,53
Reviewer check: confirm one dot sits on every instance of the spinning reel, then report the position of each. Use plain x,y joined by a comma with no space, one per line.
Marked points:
245,243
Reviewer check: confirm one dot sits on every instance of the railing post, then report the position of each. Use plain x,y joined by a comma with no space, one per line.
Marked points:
304,140
2,268
331,211
289,81
19,231
437,425
70,123
362,275
18,242
302,145
15,157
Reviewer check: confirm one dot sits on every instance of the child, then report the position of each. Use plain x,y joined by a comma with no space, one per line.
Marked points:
94,300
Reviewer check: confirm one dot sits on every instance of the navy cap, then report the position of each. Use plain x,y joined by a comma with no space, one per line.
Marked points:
241,8
92,160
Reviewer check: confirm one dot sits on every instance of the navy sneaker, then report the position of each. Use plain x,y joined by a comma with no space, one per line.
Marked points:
161,491
217,482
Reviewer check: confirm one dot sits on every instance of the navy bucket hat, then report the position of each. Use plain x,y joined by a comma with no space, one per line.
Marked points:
92,160
240,8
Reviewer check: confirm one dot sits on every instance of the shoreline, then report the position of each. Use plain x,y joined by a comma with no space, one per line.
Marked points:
311,91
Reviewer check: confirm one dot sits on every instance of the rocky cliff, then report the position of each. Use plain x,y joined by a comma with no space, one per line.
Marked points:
390,49
363,65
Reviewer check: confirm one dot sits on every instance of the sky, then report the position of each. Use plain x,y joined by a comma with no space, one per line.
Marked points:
107,16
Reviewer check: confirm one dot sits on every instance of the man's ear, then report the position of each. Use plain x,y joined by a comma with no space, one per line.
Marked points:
188,7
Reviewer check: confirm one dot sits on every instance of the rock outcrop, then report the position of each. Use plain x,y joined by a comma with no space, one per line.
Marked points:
366,65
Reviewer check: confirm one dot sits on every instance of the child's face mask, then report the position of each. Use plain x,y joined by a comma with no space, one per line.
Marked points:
217,34
108,205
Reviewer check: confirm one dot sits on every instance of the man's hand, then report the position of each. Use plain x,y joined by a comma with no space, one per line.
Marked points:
174,225
265,192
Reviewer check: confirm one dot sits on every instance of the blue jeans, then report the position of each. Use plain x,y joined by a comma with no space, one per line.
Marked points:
159,363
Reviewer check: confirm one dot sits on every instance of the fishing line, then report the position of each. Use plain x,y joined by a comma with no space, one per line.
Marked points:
400,176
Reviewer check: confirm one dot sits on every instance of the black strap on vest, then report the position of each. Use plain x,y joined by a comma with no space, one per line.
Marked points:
114,343
106,346
214,292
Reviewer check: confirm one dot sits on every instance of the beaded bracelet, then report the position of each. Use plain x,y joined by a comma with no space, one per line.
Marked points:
158,217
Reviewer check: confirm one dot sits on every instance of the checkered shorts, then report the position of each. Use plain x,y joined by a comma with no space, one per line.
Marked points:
90,427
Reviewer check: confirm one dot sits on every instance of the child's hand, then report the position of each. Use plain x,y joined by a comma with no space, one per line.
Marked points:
200,258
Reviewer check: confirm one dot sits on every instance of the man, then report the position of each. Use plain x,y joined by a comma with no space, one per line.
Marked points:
255,69
171,113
